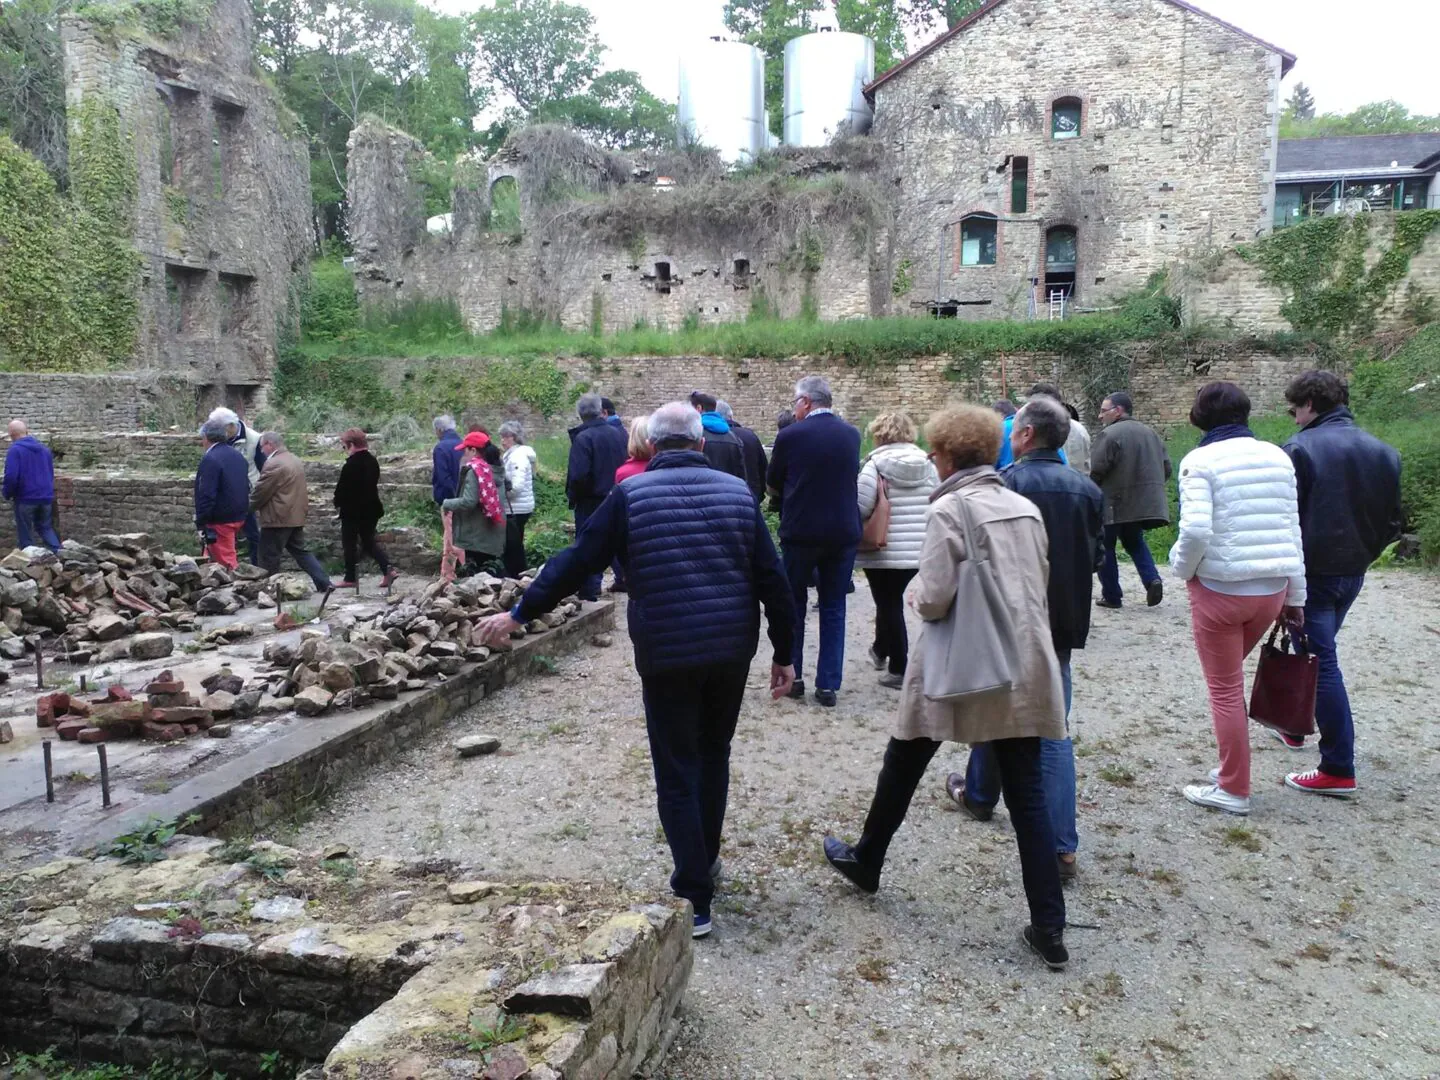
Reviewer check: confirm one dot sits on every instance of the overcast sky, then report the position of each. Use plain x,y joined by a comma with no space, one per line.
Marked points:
1349,53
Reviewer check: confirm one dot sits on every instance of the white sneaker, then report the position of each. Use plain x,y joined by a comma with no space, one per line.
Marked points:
1217,798
1215,776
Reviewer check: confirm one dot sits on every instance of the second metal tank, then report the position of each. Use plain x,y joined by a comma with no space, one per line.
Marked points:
825,78
722,98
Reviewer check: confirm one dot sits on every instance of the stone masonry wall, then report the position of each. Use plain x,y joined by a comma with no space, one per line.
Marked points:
64,403
223,207
1176,152
1231,292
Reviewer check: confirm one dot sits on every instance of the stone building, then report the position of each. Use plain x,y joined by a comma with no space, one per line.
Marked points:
222,220
1074,147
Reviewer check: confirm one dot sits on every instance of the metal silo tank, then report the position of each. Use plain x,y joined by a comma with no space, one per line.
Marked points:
825,79
722,98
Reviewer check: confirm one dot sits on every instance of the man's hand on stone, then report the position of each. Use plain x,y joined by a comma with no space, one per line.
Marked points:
495,630
781,679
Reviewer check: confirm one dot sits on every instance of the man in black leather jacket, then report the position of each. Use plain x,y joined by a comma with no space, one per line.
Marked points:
1349,488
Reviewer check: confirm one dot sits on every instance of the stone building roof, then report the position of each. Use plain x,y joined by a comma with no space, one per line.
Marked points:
1287,59
1349,154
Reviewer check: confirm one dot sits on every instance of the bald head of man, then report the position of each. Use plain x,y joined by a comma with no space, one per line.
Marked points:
18,429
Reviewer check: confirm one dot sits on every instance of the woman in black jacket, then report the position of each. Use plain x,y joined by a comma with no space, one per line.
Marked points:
357,500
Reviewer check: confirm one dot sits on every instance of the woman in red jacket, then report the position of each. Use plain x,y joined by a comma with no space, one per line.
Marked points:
640,451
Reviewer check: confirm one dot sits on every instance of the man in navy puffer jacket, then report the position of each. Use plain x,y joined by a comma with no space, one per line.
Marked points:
700,563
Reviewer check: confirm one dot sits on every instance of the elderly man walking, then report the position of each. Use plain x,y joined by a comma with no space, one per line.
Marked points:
30,485
1129,462
282,502
597,449
756,463
222,494
1073,511
247,441
815,469
445,460
684,531
1348,484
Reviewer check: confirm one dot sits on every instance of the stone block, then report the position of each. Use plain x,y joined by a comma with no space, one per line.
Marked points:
219,731
120,714
183,715
105,626
151,646
468,892
475,745
313,701
138,939
156,731
573,990
92,735
304,952
87,1006
220,948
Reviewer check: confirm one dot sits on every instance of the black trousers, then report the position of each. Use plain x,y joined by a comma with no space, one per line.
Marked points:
358,536
276,540
892,641
515,544
690,715
1020,780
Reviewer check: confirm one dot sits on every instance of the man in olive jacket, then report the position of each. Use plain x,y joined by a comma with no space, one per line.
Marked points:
282,502
1129,462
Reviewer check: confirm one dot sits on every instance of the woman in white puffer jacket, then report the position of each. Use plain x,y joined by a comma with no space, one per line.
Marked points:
1240,553
520,481
909,478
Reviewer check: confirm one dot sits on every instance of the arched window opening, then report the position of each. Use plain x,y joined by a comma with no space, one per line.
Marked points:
978,240
1065,116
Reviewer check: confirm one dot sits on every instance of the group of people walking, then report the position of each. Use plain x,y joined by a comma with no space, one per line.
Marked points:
1265,533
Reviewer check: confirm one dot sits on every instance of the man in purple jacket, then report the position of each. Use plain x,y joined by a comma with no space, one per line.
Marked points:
30,485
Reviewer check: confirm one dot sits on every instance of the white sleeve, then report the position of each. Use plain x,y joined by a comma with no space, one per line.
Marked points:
1196,521
866,487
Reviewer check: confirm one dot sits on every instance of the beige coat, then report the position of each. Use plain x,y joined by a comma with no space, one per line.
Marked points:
281,500
1010,530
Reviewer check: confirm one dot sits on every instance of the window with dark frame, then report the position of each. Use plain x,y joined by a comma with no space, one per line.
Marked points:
978,240
662,277
1019,185
1065,116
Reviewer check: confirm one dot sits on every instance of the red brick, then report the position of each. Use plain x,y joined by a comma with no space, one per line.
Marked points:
68,729
181,715
49,706
78,707
92,735
118,693
168,687
162,732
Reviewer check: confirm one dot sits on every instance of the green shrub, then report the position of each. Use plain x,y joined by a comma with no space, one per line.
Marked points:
331,309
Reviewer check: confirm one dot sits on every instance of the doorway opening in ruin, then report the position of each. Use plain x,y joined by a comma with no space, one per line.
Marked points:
740,273
1061,261
662,278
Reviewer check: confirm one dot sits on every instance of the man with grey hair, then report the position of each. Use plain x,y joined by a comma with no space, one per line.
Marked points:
597,449
1074,513
222,493
700,564
445,460
756,463
282,500
30,486
247,441
814,468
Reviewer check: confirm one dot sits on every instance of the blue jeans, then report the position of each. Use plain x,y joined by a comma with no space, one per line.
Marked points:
590,587
1328,599
835,567
32,519
690,715
1132,537
1057,771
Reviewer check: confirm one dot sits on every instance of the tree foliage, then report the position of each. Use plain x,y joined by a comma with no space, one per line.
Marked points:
770,25
1301,103
32,85
1376,118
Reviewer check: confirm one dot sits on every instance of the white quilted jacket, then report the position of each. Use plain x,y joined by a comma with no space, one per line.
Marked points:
909,478
1239,518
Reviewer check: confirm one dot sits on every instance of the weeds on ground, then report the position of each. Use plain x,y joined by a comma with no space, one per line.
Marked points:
147,843
481,1039
52,1067
1241,836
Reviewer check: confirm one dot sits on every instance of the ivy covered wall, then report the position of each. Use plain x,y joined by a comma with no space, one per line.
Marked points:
69,276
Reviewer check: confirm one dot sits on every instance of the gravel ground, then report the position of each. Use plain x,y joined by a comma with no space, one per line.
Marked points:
1302,943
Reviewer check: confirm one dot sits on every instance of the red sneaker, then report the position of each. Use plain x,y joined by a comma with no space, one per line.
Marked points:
389,578
345,585
1319,783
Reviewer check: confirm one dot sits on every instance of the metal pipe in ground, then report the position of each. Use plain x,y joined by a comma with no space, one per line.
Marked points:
49,774
104,775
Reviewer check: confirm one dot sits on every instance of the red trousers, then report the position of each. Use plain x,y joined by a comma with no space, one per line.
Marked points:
223,549
1227,629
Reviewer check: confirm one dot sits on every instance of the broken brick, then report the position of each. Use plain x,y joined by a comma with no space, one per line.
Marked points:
118,693
92,735
161,732
68,728
49,706
174,686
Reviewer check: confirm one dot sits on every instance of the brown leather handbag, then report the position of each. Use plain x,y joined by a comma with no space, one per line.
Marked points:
877,526
1283,697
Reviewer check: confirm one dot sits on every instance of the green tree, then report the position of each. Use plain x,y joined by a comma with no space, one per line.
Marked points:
930,16
32,84
1376,118
616,111
881,21
770,25
1301,103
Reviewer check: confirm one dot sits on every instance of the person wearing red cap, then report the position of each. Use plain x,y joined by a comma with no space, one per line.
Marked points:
478,510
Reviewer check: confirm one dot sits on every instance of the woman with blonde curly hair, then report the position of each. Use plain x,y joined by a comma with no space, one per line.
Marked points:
901,469
640,450
1008,531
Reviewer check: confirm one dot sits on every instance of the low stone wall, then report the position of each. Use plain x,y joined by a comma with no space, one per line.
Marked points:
119,402
258,960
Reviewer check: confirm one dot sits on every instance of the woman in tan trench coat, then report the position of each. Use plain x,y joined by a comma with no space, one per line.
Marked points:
1008,529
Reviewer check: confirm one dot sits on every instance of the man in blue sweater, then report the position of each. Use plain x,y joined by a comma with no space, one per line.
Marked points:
700,564
222,494
814,469
445,460
30,485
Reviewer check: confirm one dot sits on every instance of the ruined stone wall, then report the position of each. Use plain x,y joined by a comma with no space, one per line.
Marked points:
223,208
64,403
1176,152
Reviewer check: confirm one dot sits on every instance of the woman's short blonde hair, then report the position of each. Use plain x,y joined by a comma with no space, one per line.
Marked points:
968,435
892,427
640,448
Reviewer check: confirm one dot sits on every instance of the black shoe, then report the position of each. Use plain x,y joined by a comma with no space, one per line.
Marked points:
955,788
1069,869
826,698
842,857
1154,592
1102,602
893,681
590,599
1049,945
797,689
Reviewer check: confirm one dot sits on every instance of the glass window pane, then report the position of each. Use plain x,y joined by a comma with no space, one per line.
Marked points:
1060,249
977,242
1065,120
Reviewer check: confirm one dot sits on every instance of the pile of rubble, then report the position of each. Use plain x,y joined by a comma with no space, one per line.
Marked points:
414,641
123,596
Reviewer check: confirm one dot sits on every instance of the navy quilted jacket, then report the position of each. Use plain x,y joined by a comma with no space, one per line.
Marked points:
698,561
